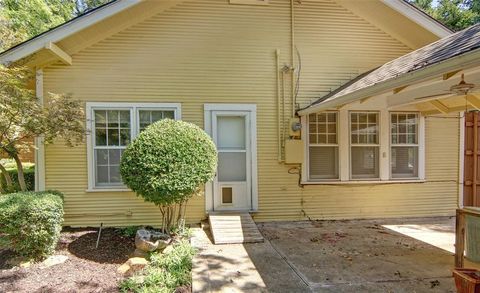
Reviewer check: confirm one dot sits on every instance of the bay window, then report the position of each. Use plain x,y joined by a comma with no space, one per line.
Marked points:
113,127
323,146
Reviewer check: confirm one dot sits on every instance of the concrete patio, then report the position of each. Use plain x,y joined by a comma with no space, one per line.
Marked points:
391,255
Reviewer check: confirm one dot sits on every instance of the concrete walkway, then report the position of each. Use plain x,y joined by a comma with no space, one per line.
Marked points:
330,256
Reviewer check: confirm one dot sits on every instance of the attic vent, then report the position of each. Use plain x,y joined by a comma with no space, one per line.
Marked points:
250,2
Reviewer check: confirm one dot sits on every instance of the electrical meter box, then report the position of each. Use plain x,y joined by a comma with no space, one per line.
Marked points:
294,151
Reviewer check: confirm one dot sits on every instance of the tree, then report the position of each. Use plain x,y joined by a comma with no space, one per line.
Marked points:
23,118
166,164
24,19
455,14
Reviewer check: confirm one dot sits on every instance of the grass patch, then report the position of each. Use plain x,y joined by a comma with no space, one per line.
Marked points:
165,273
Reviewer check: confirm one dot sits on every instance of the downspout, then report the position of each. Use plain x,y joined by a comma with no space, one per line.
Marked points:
279,119
292,37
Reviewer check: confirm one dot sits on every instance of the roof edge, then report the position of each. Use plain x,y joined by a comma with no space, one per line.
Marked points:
419,16
455,63
64,30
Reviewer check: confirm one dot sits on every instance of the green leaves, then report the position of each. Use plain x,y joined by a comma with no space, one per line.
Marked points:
32,222
168,162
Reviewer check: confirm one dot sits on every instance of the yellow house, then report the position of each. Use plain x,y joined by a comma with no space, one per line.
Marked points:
251,73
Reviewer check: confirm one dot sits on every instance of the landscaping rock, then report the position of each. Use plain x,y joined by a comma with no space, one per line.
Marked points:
150,240
133,265
54,260
137,264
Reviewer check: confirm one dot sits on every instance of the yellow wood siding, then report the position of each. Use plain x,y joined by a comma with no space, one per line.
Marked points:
209,51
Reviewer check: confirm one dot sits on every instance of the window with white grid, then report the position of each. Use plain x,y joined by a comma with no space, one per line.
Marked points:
114,126
323,146
364,145
404,145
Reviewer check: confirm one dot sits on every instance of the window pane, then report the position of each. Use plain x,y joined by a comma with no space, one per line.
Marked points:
100,136
113,137
232,167
115,174
102,157
147,117
113,118
404,128
114,157
102,175
364,161
124,136
100,118
231,132
125,119
323,162
364,128
404,162
323,128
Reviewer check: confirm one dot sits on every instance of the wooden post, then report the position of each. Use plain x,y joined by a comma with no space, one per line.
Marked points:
459,238
475,159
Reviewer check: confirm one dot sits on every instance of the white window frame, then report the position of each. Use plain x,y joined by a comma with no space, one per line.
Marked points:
420,145
337,145
376,145
343,138
135,127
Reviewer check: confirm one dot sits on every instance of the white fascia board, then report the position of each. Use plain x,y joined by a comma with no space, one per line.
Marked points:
463,61
418,17
65,30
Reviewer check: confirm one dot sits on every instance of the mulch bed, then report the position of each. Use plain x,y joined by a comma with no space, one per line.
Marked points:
86,270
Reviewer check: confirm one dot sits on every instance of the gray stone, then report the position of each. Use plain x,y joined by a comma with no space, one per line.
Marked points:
149,241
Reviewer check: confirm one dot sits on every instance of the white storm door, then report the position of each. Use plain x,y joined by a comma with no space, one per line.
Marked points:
232,186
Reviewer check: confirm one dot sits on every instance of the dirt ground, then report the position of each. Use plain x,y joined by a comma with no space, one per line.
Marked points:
333,256
87,269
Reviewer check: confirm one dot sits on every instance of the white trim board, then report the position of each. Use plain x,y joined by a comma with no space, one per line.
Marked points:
252,108
91,106
418,17
39,141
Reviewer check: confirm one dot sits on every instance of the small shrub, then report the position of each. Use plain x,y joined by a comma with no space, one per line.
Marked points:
167,164
32,222
165,272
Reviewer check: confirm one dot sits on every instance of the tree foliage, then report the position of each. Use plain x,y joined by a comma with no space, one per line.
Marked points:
24,19
22,118
455,14
167,163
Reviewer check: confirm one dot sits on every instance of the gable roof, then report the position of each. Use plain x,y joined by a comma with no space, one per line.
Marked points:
457,44
66,29
94,16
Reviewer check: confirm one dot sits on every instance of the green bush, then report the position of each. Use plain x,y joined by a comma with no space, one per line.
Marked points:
165,273
32,221
168,162
29,174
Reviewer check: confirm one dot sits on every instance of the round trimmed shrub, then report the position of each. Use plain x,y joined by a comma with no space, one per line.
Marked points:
168,162
32,221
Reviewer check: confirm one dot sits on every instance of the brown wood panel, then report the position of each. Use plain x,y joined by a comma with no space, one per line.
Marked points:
471,195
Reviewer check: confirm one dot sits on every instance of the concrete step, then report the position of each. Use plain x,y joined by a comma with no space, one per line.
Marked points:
233,227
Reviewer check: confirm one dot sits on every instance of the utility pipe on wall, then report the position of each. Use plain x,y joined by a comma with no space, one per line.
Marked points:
292,36
279,119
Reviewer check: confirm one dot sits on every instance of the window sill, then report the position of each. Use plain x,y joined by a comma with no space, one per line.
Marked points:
363,182
108,190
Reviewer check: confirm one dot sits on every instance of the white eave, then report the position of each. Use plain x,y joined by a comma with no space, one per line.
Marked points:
419,17
59,33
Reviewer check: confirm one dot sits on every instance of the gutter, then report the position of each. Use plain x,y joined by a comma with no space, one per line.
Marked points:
455,63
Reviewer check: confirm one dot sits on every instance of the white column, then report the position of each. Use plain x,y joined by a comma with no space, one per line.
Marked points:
384,145
39,145
344,144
